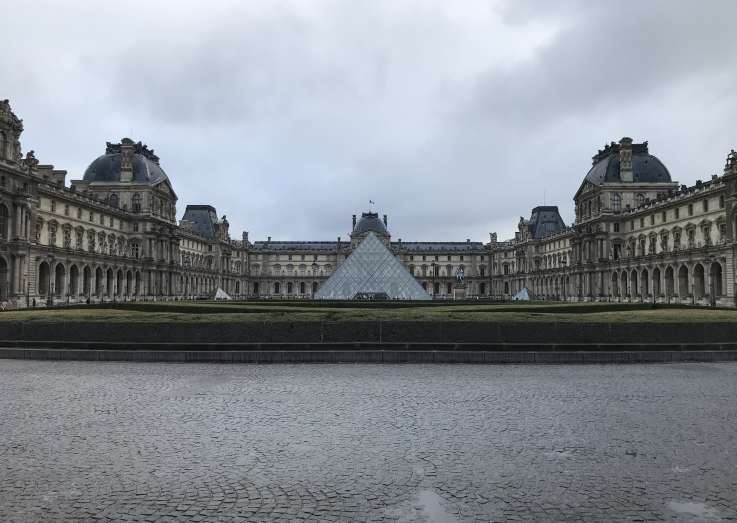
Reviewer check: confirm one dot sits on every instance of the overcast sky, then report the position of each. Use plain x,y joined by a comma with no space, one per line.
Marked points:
456,118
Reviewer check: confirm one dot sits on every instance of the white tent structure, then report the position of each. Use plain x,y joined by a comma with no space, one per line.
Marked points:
220,294
523,295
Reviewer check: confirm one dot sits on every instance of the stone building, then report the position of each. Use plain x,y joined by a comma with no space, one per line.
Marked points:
113,235
638,237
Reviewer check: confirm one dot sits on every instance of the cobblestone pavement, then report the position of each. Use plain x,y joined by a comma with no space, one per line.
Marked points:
156,442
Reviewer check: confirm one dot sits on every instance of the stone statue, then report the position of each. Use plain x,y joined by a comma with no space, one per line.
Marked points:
459,275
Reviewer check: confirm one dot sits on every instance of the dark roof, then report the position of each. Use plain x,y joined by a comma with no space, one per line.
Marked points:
439,246
203,218
370,221
646,168
145,163
406,246
298,245
545,220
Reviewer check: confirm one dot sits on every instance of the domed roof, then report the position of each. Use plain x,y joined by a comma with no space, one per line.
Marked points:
370,222
646,168
144,163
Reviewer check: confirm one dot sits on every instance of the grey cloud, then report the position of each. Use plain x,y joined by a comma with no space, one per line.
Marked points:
612,54
455,118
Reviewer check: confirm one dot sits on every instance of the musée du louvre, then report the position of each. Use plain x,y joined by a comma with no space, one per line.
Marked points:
113,236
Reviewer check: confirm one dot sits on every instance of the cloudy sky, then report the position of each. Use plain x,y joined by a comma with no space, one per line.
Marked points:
454,117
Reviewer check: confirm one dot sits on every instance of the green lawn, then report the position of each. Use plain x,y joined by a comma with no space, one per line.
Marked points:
310,311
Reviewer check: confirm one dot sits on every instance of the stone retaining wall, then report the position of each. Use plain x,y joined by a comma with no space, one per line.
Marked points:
371,341
370,356
372,332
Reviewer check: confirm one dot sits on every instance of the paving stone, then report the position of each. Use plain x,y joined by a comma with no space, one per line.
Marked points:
85,441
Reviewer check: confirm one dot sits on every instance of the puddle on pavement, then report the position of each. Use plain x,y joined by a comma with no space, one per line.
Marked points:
430,508
691,508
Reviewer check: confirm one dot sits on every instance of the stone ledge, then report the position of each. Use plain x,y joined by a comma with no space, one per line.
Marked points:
345,355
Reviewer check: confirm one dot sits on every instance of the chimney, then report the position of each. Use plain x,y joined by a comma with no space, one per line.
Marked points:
268,238
730,167
127,148
245,236
338,242
354,222
492,238
625,159
385,222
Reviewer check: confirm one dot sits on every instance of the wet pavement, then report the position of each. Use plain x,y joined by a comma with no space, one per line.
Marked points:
163,442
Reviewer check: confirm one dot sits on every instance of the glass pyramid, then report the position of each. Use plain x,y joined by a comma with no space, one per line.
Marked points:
371,271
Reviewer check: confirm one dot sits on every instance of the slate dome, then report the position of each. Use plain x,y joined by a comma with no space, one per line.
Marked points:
144,163
646,168
370,222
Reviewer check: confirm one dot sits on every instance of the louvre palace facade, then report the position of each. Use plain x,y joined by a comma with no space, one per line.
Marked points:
113,235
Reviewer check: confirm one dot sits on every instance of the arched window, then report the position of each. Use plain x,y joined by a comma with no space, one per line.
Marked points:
640,199
302,287
255,288
616,202
4,222
277,288
289,287
114,200
314,287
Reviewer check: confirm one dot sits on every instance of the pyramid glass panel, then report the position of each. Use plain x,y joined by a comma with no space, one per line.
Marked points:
371,271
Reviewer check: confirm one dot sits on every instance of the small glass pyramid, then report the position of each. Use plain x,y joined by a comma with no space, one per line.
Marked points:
371,271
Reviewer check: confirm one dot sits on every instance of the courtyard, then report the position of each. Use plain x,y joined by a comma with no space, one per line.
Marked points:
157,442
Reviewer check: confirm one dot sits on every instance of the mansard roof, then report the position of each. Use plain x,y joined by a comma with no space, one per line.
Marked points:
203,219
370,221
646,168
297,245
144,162
545,220
439,246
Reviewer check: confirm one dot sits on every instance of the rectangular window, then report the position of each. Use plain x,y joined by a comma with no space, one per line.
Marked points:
642,222
690,209
652,219
53,206
678,212
616,227
92,216
632,225
102,219
664,217
135,226
79,213
706,205
66,209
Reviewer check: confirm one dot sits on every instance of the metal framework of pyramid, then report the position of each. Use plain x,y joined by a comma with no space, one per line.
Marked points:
371,271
